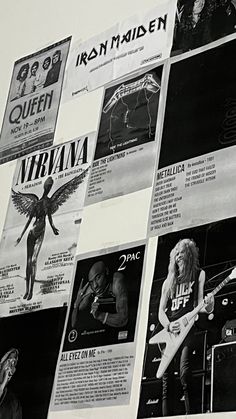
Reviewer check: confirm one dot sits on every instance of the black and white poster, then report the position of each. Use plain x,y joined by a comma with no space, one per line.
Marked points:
141,40
127,137
32,106
193,180
98,350
199,115
190,341
28,351
200,22
41,230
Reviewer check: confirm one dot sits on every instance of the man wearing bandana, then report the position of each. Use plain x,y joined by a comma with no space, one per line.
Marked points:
101,306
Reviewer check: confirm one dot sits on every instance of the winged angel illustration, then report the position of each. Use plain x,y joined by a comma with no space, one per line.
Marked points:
31,206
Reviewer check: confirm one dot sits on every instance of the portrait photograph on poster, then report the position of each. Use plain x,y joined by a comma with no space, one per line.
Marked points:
191,341
28,353
200,107
105,300
32,106
199,22
96,361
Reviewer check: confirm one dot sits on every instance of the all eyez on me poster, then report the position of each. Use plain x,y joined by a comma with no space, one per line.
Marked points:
96,362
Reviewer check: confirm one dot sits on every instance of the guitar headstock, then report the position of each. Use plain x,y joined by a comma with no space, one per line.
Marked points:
233,274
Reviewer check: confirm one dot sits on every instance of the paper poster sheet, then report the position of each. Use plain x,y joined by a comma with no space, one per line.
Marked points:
141,40
194,180
40,235
28,352
33,101
96,361
199,23
125,152
189,374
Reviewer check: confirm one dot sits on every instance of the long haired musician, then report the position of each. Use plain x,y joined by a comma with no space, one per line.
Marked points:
181,292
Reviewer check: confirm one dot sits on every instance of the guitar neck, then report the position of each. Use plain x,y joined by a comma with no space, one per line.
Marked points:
221,285
214,292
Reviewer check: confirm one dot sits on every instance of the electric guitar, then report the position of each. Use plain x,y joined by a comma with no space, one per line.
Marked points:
172,341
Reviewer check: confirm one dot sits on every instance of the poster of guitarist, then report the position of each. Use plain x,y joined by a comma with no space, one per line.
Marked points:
181,292
193,299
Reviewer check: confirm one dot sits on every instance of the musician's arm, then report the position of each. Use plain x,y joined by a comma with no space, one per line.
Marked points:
82,301
120,318
209,299
163,319
201,283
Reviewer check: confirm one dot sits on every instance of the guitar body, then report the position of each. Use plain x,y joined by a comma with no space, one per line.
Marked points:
171,341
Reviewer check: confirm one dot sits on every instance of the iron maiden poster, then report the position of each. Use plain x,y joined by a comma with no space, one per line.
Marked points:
126,145
40,235
141,40
33,100
193,374
96,361
194,180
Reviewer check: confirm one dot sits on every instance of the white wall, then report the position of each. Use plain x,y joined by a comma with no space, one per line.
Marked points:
27,26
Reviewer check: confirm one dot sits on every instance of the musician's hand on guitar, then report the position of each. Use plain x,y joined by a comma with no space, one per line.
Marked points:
233,274
174,327
209,303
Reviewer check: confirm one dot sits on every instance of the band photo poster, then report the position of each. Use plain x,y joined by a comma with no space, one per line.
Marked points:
194,176
33,101
141,40
127,137
190,343
96,361
41,229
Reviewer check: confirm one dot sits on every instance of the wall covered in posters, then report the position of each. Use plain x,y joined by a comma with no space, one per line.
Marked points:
117,215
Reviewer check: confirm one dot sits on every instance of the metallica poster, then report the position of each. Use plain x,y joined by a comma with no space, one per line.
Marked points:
127,138
33,101
40,235
193,180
